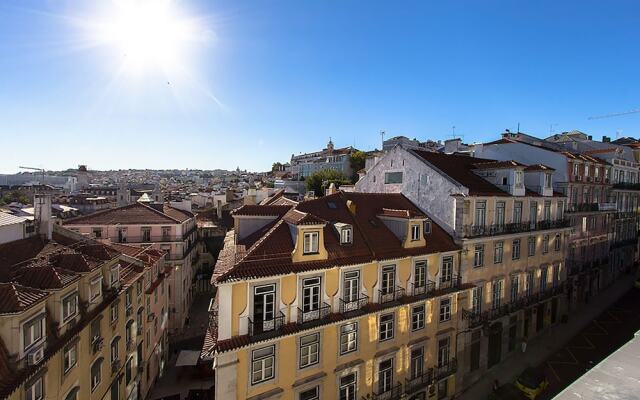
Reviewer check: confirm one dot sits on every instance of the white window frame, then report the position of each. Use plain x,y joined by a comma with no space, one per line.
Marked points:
96,382
309,350
262,362
515,254
350,387
96,282
311,242
70,356
415,232
418,315
346,235
31,392
67,301
348,338
30,326
498,252
445,309
386,330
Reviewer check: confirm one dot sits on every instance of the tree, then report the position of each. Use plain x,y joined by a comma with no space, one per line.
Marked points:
276,166
357,161
320,180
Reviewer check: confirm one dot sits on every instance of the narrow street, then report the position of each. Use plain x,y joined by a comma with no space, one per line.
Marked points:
177,382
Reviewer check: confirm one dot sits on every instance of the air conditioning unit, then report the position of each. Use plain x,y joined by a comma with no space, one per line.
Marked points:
35,356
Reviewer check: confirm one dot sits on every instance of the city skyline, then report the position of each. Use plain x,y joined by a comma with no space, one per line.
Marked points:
260,83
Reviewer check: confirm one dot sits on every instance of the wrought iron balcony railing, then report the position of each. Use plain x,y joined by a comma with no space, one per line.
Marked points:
391,295
454,282
258,327
315,314
472,231
424,289
445,370
349,305
392,393
419,382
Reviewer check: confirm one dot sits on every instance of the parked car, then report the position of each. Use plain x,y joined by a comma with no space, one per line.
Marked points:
507,392
532,382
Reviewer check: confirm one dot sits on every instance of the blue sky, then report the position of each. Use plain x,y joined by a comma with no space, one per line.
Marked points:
272,78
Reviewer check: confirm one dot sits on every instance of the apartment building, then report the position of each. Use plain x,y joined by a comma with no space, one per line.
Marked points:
303,165
587,183
512,229
71,324
167,228
348,296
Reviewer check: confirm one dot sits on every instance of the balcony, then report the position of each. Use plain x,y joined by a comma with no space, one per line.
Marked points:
475,318
625,214
393,393
260,328
419,382
423,290
391,295
626,186
624,242
452,283
347,306
474,231
446,370
314,315
589,207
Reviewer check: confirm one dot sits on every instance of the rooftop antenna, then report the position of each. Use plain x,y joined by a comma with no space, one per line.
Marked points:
382,133
518,127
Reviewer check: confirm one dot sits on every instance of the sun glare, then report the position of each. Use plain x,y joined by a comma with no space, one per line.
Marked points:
148,34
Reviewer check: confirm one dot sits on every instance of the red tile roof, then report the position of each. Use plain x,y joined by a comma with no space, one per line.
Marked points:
133,214
498,164
16,298
539,167
264,211
269,252
389,212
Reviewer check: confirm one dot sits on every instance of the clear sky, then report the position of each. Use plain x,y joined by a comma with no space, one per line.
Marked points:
252,82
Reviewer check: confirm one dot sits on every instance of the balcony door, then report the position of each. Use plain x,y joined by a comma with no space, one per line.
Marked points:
387,285
264,307
351,286
310,294
533,214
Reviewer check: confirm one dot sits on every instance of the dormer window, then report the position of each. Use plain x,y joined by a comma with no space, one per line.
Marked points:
518,179
69,306
114,275
311,242
346,235
547,181
415,232
33,331
427,227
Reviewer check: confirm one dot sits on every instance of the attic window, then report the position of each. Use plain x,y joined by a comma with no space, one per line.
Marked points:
346,235
311,242
427,227
504,180
415,232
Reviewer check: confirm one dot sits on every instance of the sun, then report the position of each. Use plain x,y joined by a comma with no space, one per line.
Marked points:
148,34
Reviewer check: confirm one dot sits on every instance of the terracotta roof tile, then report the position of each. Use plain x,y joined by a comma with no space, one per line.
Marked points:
258,210
136,213
16,298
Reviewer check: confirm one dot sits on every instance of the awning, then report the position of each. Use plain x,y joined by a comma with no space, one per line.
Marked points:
187,358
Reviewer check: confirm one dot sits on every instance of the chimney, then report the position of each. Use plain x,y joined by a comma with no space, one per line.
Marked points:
606,139
331,189
42,214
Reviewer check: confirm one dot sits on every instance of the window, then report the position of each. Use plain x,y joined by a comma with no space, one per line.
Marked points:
311,242
543,279
474,364
445,309
417,317
348,387
262,364
446,273
500,213
35,391
417,362
348,338
547,181
122,235
73,394
114,275
386,327
575,168
545,244
310,394
115,347
533,214
443,352
392,177
388,283
385,376
346,236
498,249
514,288
128,373
70,357
69,306
351,287
478,255
481,213
547,210
420,274
139,287
96,372
496,299
309,350
557,243
427,227
517,212
515,250
310,294
97,233
531,246
95,288
146,234
529,282
33,331
166,233
476,300
415,232
518,175
114,312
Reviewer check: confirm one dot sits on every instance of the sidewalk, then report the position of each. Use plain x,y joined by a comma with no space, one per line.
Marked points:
543,346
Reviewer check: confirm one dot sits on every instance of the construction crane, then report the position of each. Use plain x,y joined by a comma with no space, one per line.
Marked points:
35,169
635,110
